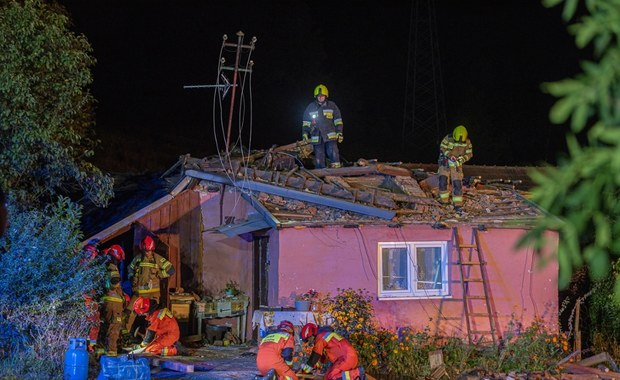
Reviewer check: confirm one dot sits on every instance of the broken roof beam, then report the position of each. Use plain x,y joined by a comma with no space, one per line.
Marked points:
294,194
362,170
376,198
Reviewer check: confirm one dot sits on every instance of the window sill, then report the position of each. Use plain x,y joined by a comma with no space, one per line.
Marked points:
412,298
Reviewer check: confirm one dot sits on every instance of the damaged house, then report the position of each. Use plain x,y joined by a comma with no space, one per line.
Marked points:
278,229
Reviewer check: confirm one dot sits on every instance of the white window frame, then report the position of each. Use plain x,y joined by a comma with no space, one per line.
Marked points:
412,291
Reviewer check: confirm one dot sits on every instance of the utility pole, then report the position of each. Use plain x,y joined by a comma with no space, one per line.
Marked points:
424,119
239,46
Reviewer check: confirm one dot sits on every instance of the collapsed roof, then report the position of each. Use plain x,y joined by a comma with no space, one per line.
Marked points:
369,192
286,194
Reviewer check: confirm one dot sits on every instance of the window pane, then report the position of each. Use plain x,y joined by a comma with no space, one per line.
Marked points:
429,267
394,268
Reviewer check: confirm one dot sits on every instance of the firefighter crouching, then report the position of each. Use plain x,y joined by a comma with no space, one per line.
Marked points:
336,349
163,330
275,354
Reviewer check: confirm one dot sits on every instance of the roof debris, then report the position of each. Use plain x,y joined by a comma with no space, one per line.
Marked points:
408,190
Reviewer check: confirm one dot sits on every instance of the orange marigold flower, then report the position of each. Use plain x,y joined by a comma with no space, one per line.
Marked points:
374,362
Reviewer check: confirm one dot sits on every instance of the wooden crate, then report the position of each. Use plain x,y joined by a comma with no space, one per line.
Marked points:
180,310
180,305
237,306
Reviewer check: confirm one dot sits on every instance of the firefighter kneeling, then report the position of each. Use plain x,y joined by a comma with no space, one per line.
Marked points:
163,331
275,354
336,349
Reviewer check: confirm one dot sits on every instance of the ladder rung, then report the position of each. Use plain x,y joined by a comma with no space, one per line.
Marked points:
479,314
472,279
451,318
482,332
467,246
472,263
476,297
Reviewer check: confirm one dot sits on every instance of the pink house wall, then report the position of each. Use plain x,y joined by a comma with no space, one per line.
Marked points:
224,258
336,257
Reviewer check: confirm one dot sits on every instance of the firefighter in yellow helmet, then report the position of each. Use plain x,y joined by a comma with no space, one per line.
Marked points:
454,151
322,126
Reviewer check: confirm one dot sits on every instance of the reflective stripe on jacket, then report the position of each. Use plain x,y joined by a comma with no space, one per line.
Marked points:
145,272
322,122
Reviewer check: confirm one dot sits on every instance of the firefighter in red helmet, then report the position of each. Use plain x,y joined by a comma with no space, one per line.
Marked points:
145,273
163,330
114,301
336,349
275,354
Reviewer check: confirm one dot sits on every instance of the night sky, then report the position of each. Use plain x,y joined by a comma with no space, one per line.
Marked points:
494,56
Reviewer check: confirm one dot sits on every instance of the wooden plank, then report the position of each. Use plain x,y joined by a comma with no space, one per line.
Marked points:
178,366
339,181
409,186
308,376
393,170
172,364
435,358
581,370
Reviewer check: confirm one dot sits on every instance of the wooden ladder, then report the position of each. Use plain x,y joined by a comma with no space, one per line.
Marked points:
476,302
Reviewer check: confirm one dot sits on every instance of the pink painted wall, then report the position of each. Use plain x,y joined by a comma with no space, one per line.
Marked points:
224,258
336,257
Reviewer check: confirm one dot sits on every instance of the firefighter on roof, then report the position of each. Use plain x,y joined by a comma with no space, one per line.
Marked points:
454,151
322,126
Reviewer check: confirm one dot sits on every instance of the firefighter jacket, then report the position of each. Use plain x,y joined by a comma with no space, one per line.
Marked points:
145,272
322,122
462,151
334,347
163,330
276,351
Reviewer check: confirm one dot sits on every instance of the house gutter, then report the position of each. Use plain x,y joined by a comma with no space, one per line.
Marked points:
140,213
294,194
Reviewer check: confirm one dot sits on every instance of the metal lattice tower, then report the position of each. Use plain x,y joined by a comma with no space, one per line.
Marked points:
424,119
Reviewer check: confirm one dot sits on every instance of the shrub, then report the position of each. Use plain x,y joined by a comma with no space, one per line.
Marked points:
405,353
352,311
41,290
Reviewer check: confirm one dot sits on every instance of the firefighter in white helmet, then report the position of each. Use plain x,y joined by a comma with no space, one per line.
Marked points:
455,149
322,126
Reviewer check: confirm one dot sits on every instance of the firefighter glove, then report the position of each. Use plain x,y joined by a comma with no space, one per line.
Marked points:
340,137
305,137
305,369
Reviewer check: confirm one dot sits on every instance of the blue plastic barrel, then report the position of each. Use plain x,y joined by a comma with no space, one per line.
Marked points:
76,360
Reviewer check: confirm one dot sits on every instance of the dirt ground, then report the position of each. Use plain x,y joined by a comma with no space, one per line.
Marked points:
216,362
